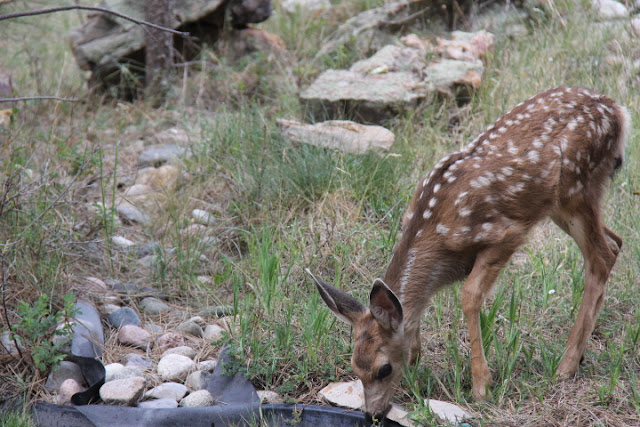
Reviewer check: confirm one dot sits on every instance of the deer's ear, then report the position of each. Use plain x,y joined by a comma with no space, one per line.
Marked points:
347,308
385,306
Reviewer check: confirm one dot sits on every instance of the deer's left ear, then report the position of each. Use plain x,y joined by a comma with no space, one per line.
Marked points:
385,306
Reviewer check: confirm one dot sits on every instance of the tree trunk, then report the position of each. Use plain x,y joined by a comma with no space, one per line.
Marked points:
159,48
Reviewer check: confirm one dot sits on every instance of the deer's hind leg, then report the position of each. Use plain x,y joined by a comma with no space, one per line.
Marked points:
599,247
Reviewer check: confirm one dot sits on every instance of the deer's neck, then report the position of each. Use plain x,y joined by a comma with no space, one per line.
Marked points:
417,271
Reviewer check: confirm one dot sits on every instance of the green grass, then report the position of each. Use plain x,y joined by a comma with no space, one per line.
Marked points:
281,207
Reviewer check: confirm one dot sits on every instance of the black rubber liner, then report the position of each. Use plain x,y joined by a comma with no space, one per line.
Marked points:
281,415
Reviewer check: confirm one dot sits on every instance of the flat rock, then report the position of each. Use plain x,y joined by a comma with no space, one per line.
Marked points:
158,404
203,217
175,367
132,214
124,316
207,365
134,336
346,136
126,391
368,98
197,398
447,412
170,390
449,73
346,394
153,306
121,242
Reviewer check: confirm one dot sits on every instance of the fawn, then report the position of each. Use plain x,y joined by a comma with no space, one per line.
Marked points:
550,156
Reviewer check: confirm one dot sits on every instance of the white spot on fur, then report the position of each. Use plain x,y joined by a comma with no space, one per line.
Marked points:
436,188
432,202
464,212
537,143
427,214
406,273
572,124
442,229
419,233
533,156
460,198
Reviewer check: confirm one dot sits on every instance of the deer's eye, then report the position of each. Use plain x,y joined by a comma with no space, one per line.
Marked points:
384,372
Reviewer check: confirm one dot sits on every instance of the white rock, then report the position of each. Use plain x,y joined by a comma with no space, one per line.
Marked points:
213,333
183,350
207,365
175,367
269,397
447,412
121,242
134,336
107,309
126,391
346,394
610,9
117,371
343,135
198,380
399,415
67,389
203,217
168,390
197,398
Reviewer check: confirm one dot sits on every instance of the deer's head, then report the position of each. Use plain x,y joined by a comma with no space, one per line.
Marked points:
380,348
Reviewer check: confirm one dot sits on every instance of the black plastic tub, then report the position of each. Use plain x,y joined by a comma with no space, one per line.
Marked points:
281,415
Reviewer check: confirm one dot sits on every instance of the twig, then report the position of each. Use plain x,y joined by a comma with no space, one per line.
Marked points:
35,98
92,8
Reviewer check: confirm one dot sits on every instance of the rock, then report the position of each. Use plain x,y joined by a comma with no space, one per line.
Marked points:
346,136
153,306
168,390
171,137
123,316
635,24
191,328
108,309
159,404
148,291
346,394
8,344
164,178
391,58
399,415
218,311
126,391
153,329
68,388
143,197
132,214
610,9
117,371
304,6
197,319
64,371
159,154
447,412
368,98
175,367
121,242
197,398
269,397
207,365
128,289
88,334
413,41
203,217
134,336
198,380
63,337
149,249
182,350
93,283
169,340
213,333
134,360
449,73
465,46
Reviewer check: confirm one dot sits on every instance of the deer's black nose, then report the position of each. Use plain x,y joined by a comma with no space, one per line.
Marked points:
379,417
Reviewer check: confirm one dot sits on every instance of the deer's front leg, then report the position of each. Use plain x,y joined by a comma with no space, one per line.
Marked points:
485,271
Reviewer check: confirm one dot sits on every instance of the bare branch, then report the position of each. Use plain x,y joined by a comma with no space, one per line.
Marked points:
92,8
32,98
